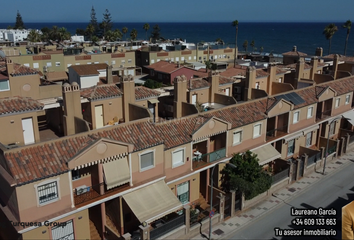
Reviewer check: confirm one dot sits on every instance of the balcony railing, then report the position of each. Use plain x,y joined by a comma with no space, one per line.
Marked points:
314,158
323,115
167,226
211,157
273,133
280,176
332,149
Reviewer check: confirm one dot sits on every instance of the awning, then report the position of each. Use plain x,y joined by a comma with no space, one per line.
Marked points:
266,154
293,136
310,129
116,172
153,101
152,202
350,116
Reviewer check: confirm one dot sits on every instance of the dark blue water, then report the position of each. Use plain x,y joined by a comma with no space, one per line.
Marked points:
276,37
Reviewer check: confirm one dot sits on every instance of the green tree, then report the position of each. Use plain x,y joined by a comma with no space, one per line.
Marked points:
248,176
80,31
106,24
34,36
235,24
45,34
348,26
253,44
329,31
112,36
155,34
93,21
9,27
63,34
220,41
94,40
19,22
54,33
124,31
210,66
245,45
146,27
261,49
149,83
133,34
90,30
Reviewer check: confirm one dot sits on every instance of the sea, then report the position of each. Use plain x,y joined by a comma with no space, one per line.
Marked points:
275,37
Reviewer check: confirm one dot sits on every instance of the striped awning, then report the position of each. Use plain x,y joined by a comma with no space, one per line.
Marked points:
104,160
116,173
266,154
152,202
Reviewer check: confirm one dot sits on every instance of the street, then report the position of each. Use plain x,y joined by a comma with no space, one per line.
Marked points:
333,191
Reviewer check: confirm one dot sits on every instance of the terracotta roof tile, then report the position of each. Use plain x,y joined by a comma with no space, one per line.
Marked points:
164,66
101,91
19,104
225,80
144,92
20,70
294,53
55,76
261,73
232,72
198,83
88,69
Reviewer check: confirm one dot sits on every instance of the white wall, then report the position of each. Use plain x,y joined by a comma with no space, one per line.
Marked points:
88,81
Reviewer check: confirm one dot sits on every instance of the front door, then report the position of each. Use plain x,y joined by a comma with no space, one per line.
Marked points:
152,109
28,134
227,91
194,99
99,116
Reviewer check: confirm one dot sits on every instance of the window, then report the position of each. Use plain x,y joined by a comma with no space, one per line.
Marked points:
237,137
129,60
257,85
123,61
257,130
347,99
291,147
4,85
183,192
309,139
49,64
296,117
89,62
332,128
75,174
35,65
68,65
48,192
280,80
146,161
113,62
96,62
65,231
77,63
309,112
57,64
337,102
152,61
26,65
177,158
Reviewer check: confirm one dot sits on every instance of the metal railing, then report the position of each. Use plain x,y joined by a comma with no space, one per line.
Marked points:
271,133
280,176
167,226
332,149
213,156
314,158
324,114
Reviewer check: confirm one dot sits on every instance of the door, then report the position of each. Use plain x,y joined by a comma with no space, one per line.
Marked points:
64,232
301,168
99,116
227,91
28,134
227,206
194,99
152,109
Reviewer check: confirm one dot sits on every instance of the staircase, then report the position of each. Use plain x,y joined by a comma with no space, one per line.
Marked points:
111,226
93,232
203,203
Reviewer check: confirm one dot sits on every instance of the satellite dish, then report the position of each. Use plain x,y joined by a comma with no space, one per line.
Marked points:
2,54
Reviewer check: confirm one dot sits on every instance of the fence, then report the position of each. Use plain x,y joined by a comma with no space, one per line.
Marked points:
280,176
314,158
167,226
197,216
214,156
332,149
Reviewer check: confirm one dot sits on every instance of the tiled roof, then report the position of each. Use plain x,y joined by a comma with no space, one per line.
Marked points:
225,80
88,69
101,91
261,73
309,96
164,66
198,83
341,57
341,86
19,104
243,114
293,66
294,53
144,92
281,70
55,76
179,131
232,72
20,70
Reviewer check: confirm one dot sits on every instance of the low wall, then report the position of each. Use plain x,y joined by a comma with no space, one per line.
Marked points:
194,231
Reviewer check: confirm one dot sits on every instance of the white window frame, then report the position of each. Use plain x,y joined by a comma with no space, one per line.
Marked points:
310,108
240,139
189,191
113,62
337,102
174,165
150,167
36,65
309,143
129,60
44,183
26,64
8,84
49,64
296,120
260,130
293,148
347,99
332,128
57,64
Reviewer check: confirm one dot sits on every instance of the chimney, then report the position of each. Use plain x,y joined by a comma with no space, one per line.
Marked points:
314,63
72,107
250,81
128,88
300,65
9,66
319,52
294,49
109,76
180,95
272,71
335,66
213,80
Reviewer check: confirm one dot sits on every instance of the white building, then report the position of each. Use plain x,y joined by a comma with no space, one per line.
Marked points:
77,38
15,35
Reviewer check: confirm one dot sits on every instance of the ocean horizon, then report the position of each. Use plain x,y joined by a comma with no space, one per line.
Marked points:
276,37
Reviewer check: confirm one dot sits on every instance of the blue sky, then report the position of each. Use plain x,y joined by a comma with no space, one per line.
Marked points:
181,10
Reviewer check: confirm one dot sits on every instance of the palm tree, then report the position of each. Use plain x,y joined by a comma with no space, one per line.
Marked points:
235,24
261,49
124,31
329,31
54,34
348,26
146,27
33,36
133,34
62,33
245,45
252,45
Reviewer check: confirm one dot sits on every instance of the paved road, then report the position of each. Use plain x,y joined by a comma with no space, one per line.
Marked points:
334,190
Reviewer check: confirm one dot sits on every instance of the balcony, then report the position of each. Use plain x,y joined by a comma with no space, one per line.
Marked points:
204,159
276,133
323,115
